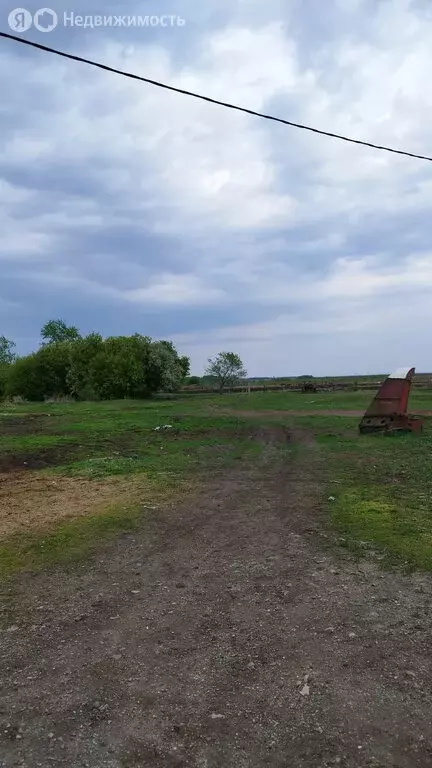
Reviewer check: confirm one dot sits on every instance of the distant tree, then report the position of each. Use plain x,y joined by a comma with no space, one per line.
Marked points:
194,381
7,354
226,368
7,357
56,330
4,370
183,361
123,366
166,371
185,365
94,368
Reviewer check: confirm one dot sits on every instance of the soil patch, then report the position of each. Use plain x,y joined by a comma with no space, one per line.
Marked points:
38,459
228,633
132,441
29,501
33,424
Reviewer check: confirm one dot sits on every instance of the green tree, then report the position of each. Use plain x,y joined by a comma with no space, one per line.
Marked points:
4,371
7,354
92,368
124,366
185,365
7,357
56,330
82,354
41,374
194,381
226,368
119,368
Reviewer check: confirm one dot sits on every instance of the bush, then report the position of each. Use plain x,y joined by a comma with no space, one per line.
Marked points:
40,375
82,356
4,370
93,368
124,366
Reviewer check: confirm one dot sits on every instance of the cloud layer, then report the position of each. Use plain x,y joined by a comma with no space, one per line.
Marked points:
127,208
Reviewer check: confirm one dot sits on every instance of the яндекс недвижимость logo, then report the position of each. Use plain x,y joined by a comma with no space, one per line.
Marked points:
44,20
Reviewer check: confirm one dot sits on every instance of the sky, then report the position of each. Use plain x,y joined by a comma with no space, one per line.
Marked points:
126,208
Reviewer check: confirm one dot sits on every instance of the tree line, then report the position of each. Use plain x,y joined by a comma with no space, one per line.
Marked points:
91,367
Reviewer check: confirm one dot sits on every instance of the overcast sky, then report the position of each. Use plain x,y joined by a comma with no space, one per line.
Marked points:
125,208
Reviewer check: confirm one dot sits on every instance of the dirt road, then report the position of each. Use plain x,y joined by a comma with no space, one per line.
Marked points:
229,633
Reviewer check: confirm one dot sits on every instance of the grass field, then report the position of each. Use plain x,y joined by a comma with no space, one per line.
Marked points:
73,474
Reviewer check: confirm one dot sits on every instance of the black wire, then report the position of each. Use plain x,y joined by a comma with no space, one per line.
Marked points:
209,99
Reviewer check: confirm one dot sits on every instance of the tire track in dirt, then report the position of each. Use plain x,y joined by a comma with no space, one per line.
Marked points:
228,633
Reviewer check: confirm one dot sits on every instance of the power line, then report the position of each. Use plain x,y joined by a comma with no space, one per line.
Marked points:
225,104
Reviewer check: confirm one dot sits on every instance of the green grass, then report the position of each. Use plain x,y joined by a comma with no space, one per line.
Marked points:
66,542
116,438
382,486
298,401
382,490
29,443
123,437
166,457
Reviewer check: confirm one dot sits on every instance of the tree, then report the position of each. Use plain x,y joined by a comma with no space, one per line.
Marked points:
183,361
119,369
124,366
41,374
83,353
94,368
56,330
166,370
7,355
185,365
227,368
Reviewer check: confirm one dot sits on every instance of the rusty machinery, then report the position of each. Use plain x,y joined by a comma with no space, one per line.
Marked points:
388,411
308,386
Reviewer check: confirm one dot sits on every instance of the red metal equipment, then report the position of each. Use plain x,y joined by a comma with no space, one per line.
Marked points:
388,411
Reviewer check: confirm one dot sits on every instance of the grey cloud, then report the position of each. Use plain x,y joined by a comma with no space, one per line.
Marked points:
191,202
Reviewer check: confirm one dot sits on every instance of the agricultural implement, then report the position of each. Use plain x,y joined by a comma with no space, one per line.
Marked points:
388,411
308,386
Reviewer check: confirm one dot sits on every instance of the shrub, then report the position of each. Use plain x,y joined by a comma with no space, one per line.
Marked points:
41,374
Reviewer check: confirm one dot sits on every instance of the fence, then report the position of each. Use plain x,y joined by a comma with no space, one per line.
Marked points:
421,381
